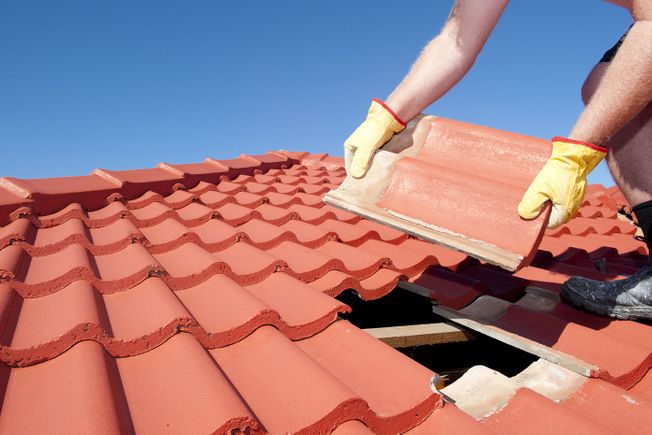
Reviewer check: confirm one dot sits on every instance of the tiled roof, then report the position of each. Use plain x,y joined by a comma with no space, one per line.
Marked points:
200,298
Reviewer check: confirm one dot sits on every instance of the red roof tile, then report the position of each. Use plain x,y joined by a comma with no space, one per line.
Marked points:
476,195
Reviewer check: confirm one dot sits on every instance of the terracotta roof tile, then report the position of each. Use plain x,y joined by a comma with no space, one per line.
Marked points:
471,210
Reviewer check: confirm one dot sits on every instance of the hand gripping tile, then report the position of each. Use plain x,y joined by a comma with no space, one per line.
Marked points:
455,184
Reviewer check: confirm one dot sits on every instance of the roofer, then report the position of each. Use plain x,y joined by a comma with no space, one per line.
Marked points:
616,122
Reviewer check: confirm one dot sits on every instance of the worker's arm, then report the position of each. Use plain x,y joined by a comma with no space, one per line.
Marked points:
625,89
443,63
448,57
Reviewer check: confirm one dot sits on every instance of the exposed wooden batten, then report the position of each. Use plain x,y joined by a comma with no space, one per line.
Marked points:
420,335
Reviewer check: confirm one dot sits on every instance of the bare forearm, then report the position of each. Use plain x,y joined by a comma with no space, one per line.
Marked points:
624,91
439,67
448,57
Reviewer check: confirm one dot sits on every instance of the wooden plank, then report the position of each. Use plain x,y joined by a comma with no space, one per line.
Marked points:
420,335
560,358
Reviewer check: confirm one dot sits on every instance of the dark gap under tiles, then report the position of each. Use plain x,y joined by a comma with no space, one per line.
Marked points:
450,360
397,308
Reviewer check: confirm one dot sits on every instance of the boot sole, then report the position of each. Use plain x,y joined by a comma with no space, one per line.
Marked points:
616,311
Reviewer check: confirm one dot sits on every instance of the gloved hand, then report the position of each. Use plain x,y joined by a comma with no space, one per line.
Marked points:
562,180
379,127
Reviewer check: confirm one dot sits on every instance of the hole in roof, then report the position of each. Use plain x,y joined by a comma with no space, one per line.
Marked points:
450,360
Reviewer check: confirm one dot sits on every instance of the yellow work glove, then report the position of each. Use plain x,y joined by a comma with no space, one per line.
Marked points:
562,180
379,127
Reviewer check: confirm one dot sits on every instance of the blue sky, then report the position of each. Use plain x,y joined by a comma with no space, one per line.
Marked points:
127,84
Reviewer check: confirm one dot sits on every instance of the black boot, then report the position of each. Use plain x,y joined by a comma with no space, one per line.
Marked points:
629,298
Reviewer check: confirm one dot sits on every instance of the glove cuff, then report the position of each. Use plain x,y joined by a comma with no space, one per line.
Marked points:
390,111
578,142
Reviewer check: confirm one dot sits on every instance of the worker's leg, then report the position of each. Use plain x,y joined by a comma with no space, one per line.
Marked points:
630,162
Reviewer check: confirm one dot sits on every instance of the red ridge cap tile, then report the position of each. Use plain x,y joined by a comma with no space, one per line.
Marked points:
135,182
294,155
242,164
217,164
197,172
48,195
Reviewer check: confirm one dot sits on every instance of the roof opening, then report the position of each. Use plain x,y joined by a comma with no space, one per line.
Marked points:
405,321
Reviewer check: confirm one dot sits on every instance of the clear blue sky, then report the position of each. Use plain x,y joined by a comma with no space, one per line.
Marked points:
127,84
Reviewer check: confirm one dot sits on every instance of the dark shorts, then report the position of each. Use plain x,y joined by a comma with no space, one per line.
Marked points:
611,53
